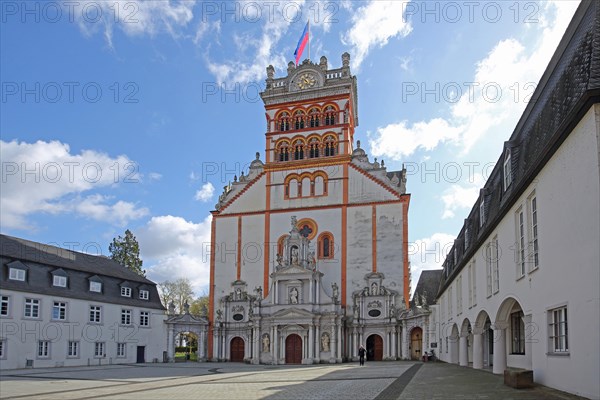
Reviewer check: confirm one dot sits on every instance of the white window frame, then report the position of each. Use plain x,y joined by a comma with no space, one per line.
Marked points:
32,305
59,281
558,331
99,349
95,286
459,295
534,240
507,169
2,349
73,349
43,350
521,242
59,306
125,291
17,274
97,311
488,266
144,294
121,350
449,302
145,318
495,268
481,211
474,280
5,305
470,283
126,315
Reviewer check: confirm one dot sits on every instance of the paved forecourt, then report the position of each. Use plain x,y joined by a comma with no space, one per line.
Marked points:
376,380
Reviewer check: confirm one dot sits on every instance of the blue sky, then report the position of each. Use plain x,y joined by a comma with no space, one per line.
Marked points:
133,114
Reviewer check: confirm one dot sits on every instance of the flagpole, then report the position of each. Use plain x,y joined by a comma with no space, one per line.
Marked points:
309,40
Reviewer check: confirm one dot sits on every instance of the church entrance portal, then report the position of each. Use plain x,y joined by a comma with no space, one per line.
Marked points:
374,348
237,349
293,349
416,343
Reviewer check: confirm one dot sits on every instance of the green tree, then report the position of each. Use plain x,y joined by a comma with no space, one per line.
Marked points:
126,251
200,306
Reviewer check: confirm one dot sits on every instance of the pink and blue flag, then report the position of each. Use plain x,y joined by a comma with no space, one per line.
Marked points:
301,43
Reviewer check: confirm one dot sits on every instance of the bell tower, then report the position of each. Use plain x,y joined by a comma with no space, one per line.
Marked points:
311,114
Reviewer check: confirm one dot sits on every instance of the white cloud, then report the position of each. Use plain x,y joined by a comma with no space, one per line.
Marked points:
374,25
173,248
205,193
133,17
491,105
46,177
428,253
461,197
154,176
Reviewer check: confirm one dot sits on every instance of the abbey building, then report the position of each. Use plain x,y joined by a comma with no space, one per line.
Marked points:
310,245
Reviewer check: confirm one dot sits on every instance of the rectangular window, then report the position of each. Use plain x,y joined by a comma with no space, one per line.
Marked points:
59,311
16,274
95,314
144,294
481,211
60,281
144,318
467,238
125,291
121,349
125,317
470,279
95,286
459,295
495,271
32,308
73,349
507,170
534,232
4,306
488,267
520,243
99,349
2,349
449,302
558,330
517,328
474,284
43,349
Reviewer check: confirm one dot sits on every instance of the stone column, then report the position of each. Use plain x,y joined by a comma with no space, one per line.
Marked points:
201,344
311,342
332,343
275,345
405,353
463,354
394,354
339,341
355,344
170,344
216,346
317,344
499,350
256,343
477,350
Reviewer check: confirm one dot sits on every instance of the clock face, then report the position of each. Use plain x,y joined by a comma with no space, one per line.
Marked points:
306,80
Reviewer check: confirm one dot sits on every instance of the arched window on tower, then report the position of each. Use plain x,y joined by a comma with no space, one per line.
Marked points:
314,118
299,150
330,115
299,120
330,146
283,152
320,186
280,243
292,188
325,243
313,148
284,122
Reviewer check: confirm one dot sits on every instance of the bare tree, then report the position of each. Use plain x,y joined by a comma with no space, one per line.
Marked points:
178,292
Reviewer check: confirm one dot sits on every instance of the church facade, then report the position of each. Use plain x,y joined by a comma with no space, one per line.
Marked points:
309,247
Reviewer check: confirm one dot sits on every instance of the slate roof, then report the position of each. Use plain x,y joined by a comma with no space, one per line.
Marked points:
428,284
42,260
569,86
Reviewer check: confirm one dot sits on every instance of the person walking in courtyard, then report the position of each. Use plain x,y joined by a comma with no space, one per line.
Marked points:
361,354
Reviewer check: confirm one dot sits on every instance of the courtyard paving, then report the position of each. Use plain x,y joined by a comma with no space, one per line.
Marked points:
230,381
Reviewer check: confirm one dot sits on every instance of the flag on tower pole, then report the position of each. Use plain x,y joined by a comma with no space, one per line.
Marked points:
304,40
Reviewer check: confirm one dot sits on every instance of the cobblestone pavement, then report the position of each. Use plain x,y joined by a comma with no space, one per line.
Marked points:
376,380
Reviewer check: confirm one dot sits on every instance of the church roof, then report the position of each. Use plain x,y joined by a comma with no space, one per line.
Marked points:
428,285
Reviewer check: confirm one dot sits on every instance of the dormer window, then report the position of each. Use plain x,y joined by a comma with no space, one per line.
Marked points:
144,294
60,281
481,211
16,274
125,291
95,286
507,168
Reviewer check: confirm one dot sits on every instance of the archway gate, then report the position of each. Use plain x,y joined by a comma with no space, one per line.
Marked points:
186,323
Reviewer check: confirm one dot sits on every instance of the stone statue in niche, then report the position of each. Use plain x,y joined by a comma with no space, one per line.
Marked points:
312,262
294,256
238,294
265,343
336,291
325,342
294,296
374,289
258,291
279,260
